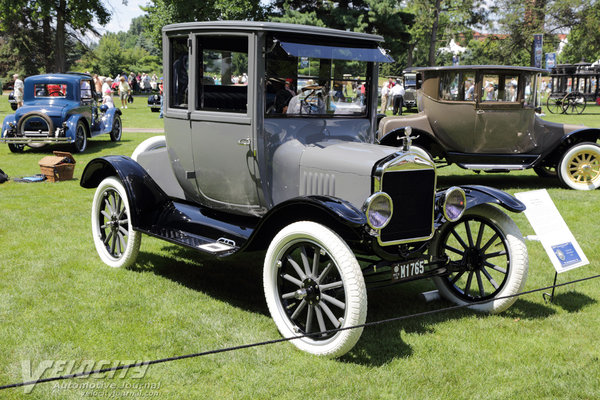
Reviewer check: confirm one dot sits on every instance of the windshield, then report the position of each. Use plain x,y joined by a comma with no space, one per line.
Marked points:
306,85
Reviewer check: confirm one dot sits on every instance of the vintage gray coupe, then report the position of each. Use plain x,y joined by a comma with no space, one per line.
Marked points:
59,108
484,118
262,154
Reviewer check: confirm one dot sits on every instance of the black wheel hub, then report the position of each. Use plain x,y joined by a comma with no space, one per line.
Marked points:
473,259
309,291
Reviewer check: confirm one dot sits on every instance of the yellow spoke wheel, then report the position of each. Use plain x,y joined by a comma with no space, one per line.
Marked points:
580,167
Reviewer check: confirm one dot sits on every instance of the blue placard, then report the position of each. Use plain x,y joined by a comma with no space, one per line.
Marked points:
550,60
566,254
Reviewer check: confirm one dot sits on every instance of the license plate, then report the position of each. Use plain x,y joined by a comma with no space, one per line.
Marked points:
408,269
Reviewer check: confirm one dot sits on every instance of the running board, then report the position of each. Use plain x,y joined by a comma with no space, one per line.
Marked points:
207,231
221,247
499,167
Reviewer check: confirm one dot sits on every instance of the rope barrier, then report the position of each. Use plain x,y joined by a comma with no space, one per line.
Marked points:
267,342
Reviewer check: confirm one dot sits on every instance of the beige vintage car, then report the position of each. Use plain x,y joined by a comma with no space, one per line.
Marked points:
484,118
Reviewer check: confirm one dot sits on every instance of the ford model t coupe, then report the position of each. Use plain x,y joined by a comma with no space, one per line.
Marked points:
261,153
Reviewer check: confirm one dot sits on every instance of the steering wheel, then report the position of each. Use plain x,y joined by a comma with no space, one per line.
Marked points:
56,93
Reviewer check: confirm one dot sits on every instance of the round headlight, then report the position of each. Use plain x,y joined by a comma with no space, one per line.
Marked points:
378,209
455,203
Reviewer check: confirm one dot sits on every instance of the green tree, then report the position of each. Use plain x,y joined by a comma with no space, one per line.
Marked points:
56,22
519,20
384,17
438,21
164,12
583,41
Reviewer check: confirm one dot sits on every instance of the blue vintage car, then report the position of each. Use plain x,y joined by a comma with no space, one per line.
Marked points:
59,108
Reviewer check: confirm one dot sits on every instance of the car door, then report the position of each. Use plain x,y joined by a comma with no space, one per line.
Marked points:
222,125
452,116
88,103
503,125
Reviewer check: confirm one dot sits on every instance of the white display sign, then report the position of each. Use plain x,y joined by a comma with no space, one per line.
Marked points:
556,237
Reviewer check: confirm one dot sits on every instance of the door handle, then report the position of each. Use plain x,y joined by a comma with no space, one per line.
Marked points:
244,142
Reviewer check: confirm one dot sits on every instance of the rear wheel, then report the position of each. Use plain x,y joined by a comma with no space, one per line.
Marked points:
574,103
313,283
117,129
544,171
579,167
16,148
488,259
80,143
554,104
117,243
153,143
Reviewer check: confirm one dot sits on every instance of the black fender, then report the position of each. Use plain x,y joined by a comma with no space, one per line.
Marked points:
339,215
146,198
477,194
554,155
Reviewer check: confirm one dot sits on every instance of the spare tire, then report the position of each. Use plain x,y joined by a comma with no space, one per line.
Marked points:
31,115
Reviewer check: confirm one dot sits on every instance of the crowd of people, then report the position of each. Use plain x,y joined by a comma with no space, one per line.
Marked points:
125,85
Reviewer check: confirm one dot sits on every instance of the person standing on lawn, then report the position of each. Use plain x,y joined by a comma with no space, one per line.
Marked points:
18,90
124,91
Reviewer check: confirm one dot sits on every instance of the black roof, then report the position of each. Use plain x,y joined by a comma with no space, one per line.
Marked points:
256,26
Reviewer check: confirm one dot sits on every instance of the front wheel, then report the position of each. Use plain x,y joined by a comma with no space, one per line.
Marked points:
579,167
554,104
116,242
487,258
313,283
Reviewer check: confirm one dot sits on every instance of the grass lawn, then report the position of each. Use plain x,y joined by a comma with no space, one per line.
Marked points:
58,301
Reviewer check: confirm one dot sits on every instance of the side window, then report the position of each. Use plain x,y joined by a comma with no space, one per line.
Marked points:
179,64
530,90
86,90
509,88
469,86
489,88
222,73
449,86
457,86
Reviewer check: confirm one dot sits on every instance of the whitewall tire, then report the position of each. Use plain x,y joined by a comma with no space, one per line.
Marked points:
117,243
579,167
313,283
488,253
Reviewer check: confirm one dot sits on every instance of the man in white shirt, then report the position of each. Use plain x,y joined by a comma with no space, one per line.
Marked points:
397,94
19,90
385,92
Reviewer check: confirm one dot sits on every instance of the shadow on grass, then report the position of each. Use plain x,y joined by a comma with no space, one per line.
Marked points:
572,301
501,181
94,145
236,281
239,283
381,344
